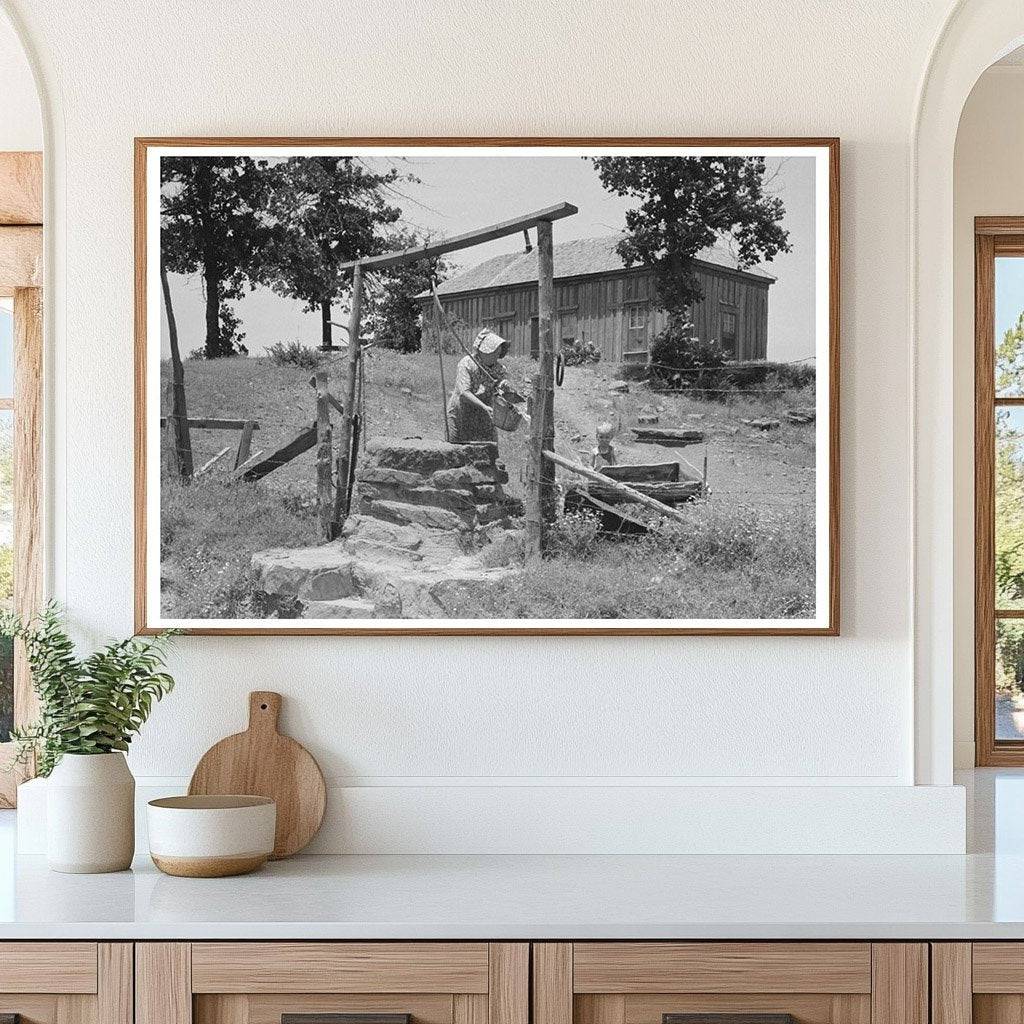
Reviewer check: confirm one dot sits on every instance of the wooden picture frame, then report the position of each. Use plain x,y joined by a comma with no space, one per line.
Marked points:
825,622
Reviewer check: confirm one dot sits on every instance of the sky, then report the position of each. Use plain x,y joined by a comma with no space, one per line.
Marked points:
1009,293
459,193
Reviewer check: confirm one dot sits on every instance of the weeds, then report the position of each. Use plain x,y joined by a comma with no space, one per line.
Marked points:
294,353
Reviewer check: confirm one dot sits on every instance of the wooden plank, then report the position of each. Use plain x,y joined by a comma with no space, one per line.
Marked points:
339,967
666,493
851,1009
21,188
552,983
245,443
722,967
115,1002
296,446
347,440
212,461
508,991
163,983
227,1009
21,258
463,241
66,967
998,967
213,423
899,983
467,1008
668,471
951,983
600,1009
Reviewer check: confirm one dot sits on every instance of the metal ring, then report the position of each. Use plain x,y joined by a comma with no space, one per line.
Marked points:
559,369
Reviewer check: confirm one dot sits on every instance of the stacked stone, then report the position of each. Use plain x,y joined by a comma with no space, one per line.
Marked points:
433,484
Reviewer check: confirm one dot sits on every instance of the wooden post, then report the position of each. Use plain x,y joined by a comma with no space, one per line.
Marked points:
245,443
324,488
178,413
540,473
342,495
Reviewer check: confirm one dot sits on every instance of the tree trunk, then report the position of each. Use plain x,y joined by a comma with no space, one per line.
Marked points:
211,267
326,339
211,279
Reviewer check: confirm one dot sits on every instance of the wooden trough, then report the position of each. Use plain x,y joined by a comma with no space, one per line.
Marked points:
660,483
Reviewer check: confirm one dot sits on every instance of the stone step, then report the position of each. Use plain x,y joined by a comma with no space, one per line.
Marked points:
343,608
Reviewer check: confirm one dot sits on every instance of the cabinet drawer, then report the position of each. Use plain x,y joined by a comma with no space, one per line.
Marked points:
261,982
48,967
340,967
66,982
736,982
629,967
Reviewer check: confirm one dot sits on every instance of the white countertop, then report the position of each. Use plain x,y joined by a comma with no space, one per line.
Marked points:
532,897
978,896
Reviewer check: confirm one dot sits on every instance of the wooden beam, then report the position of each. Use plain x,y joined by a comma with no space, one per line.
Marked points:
21,258
342,493
540,474
21,188
464,241
324,484
208,423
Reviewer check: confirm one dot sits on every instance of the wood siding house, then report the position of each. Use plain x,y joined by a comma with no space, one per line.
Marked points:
602,301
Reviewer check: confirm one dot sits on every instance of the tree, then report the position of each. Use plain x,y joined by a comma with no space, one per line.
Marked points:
213,220
1009,471
327,210
393,314
685,205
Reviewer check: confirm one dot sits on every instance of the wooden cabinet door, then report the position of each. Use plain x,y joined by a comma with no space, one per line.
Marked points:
979,982
66,982
372,982
737,982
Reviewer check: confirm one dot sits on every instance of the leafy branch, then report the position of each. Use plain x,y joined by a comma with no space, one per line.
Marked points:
90,705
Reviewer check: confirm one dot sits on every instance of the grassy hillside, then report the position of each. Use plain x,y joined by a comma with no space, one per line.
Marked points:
749,550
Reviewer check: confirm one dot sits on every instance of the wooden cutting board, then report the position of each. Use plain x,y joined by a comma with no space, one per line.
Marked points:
262,762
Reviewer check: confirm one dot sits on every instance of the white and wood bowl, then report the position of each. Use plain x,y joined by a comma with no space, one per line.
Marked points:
211,836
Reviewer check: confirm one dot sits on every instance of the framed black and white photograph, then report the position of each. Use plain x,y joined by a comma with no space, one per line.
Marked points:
487,386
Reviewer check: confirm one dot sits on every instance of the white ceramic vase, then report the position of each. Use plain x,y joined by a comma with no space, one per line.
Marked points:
90,814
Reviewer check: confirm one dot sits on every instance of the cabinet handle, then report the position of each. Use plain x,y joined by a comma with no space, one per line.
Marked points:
728,1018
336,1018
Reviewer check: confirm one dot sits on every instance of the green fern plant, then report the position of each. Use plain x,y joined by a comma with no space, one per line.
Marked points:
90,705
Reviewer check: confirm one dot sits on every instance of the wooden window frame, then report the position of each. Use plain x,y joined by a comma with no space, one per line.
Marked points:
21,270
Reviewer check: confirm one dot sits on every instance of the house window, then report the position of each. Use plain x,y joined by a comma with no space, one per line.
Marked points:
999,493
728,332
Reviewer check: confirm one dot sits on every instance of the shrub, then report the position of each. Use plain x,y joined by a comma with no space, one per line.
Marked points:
678,356
294,353
575,535
580,352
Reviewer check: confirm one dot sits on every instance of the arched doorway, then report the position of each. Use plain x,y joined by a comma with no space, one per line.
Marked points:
975,35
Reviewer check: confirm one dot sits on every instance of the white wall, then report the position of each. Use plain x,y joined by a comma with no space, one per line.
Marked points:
21,125
988,180
444,713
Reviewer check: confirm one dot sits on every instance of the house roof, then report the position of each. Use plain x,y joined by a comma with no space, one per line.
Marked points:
576,258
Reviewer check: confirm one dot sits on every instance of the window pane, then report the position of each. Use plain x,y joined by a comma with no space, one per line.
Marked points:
1009,679
1009,324
1009,532
6,564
